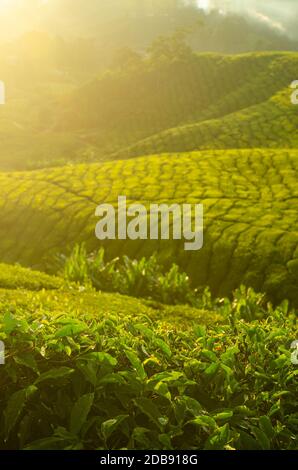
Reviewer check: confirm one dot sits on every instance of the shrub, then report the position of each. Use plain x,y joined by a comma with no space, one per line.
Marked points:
139,278
128,382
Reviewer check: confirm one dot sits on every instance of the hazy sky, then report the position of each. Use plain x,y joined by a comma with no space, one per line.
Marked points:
280,14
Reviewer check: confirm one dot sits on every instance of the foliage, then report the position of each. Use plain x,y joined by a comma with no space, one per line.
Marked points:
15,277
109,380
139,278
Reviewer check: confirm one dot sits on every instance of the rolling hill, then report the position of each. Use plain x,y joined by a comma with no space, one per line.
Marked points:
196,102
250,200
204,101
271,124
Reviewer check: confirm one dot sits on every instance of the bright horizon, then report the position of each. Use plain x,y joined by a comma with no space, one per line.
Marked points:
18,16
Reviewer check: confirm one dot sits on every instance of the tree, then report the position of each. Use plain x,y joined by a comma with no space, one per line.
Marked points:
171,47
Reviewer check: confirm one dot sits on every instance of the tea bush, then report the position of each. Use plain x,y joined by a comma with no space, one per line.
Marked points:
99,371
139,278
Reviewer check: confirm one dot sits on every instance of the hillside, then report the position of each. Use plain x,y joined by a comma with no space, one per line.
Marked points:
270,124
250,200
187,94
34,293
184,103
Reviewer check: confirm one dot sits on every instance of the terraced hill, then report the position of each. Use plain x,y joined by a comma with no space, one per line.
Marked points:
204,101
157,96
34,293
201,101
271,124
250,199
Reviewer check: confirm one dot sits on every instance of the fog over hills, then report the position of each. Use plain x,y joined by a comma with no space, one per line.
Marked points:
280,14
17,16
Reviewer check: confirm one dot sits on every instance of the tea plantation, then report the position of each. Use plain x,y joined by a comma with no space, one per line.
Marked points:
88,370
271,124
141,344
250,200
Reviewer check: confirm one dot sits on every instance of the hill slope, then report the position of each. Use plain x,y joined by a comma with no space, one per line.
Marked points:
187,95
271,124
187,103
250,200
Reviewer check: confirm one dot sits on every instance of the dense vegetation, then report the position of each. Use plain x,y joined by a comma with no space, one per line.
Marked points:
250,214
139,278
111,372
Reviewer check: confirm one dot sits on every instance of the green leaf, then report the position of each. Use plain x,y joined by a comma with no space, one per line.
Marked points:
166,441
27,360
212,369
15,406
223,415
248,442
137,364
167,377
200,331
149,408
163,346
54,374
49,443
192,405
205,421
101,358
9,323
266,426
80,412
210,355
261,438
110,426
71,330
140,435
162,389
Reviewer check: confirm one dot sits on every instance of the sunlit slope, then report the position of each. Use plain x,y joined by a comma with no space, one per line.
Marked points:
17,277
167,105
271,124
126,106
250,200
35,295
